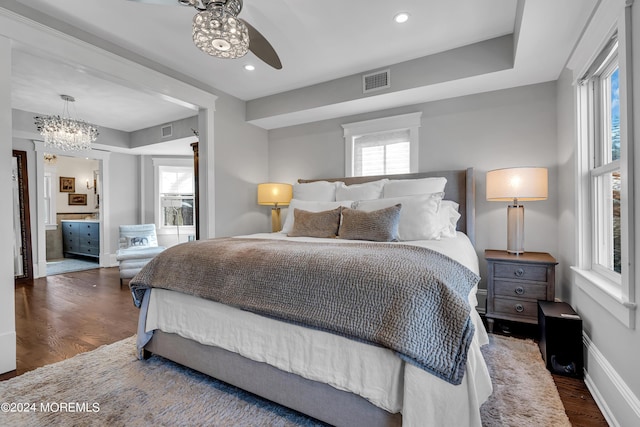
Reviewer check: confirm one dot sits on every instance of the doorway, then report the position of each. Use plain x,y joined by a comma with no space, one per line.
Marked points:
72,213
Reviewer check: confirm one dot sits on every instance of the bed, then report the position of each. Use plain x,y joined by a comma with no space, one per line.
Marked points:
326,373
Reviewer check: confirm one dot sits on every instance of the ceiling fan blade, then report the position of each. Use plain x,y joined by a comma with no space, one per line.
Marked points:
165,2
262,48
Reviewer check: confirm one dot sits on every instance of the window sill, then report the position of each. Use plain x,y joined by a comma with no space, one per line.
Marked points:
51,227
606,293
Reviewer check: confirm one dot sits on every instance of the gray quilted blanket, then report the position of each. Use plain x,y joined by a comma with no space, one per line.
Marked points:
409,299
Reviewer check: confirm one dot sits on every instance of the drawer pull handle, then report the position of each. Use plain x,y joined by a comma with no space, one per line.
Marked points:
519,308
520,290
519,272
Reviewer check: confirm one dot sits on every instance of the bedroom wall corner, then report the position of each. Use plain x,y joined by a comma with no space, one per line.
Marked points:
7,290
241,163
125,200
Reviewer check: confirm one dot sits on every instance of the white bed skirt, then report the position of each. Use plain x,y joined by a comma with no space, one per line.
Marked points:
372,372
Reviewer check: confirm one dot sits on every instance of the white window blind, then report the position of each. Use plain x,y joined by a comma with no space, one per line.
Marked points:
382,153
388,145
176,180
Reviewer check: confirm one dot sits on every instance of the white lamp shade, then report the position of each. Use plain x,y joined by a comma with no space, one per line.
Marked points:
274,194
524,184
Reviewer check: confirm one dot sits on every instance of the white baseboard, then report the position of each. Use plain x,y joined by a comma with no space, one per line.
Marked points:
7,352
619,405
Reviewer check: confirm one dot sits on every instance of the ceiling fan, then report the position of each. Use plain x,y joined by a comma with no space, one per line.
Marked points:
218,31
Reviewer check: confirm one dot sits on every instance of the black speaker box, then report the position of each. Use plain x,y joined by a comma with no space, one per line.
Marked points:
560,338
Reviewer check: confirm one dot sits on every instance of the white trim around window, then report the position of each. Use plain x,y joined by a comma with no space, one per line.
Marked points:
615,293
158,162
410,122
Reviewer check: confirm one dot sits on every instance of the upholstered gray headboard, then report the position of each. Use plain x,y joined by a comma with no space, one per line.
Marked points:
460,188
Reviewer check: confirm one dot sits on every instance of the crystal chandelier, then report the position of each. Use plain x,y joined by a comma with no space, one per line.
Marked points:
218,31
65,133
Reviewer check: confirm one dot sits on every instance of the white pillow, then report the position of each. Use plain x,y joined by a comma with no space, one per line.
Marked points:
310,206
419,218
365,191
449,216
318,191
412,187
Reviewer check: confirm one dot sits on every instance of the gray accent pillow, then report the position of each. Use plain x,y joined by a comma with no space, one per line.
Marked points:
315,224
378,226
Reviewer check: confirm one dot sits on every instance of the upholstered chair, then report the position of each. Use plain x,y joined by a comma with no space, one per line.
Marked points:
138,246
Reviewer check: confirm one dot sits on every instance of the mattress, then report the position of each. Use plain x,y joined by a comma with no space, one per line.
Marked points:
372,372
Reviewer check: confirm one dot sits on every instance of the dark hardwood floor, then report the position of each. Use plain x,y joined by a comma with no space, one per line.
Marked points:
60,316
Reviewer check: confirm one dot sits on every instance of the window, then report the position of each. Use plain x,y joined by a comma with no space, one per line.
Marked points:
605,216
604,100
174,199
49,199
176,196
382,146
382,153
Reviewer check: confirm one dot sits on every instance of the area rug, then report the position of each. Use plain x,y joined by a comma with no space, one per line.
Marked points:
109,386
524,393
69,265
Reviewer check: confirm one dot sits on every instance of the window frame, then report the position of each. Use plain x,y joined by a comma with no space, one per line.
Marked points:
616,293
49,186
406,122
158,164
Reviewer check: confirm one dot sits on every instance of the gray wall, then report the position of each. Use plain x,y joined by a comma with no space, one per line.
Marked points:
124,204
566,182
152,135
241,163
513,127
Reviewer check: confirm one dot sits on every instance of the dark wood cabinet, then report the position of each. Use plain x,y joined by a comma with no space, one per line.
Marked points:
516,283
81,238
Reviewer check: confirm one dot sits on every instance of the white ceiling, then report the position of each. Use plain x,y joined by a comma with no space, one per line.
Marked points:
317,41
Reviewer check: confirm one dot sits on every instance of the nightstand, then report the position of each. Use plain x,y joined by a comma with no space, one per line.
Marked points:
516,283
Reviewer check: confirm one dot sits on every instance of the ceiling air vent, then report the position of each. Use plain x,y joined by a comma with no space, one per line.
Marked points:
376,81
166,131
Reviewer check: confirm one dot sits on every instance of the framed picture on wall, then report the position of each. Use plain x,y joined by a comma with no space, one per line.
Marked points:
67,184
78,199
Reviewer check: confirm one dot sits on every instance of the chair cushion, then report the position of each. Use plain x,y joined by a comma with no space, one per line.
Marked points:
138,253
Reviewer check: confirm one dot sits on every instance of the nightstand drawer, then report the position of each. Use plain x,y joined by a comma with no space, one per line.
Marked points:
514,307
536,273
531,291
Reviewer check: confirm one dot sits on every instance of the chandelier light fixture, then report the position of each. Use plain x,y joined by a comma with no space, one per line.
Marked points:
218,31
63,132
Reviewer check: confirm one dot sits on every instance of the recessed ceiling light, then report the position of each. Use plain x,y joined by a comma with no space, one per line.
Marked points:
401,17
249,67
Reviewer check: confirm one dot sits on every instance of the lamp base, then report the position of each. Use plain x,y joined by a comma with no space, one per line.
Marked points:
276,224
515,229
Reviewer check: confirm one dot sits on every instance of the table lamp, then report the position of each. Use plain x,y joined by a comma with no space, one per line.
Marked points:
275,194
517,185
